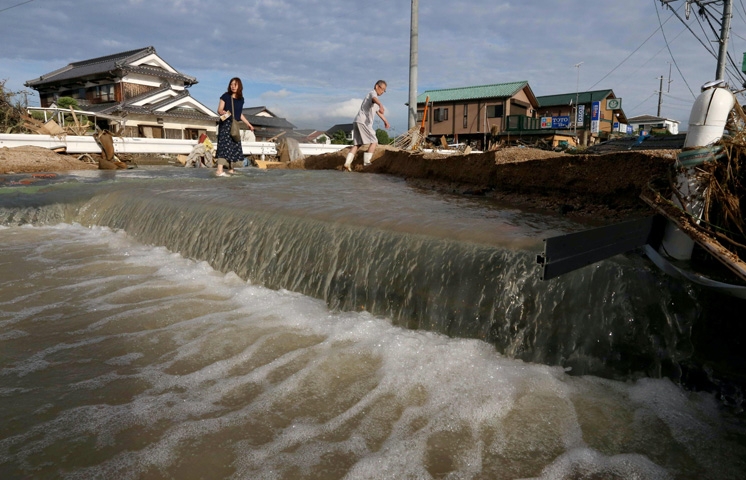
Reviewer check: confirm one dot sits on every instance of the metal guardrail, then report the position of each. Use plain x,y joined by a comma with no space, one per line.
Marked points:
130,145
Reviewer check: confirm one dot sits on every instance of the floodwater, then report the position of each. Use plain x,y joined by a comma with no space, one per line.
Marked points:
163,323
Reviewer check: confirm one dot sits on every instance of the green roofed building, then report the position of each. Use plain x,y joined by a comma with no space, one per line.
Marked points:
474,114
577,107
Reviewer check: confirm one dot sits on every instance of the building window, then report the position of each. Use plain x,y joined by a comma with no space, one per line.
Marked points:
150,131
466,116
420,114
440,114
494,111
104,93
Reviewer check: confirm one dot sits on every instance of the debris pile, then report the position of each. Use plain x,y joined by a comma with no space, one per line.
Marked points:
11,111
725,198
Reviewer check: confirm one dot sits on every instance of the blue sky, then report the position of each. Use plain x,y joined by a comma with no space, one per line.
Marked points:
312,61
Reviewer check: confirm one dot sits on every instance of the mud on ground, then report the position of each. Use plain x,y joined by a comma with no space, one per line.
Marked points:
600,187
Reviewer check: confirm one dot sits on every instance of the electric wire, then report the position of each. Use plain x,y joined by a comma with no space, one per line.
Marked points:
639,104
656,54
628,56
731,67
669,47
16,5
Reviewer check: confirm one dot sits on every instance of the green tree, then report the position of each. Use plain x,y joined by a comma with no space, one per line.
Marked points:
383,137
65,103
339,138
321,139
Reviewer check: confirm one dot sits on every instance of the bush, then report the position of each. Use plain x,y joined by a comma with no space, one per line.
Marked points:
12,107
339,138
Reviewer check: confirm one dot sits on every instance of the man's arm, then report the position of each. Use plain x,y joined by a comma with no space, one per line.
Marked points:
385,122
380,105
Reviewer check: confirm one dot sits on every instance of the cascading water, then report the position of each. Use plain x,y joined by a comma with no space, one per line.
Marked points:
427,277
181,362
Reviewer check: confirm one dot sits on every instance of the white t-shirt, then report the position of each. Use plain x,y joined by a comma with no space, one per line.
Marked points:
367,109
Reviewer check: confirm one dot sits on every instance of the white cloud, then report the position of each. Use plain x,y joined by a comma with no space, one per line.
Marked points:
284,93
348,108
308,58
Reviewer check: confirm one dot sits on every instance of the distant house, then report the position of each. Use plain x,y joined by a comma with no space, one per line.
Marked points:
652,124
268,126
134,93
313,136
474,114
344,127
575,110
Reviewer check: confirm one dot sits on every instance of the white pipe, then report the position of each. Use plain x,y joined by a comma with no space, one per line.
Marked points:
706,126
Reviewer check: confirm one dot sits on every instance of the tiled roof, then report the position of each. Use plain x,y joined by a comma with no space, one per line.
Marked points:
345,127
564,99
497,90
108,63
262,121
649,119
130,107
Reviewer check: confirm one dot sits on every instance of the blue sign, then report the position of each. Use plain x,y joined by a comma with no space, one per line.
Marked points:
595,116
561,122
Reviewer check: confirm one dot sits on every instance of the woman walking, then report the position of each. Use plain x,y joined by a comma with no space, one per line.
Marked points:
230,109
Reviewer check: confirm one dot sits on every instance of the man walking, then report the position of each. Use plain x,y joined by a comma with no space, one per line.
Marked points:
362,130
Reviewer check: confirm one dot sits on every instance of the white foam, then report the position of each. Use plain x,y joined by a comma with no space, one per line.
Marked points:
180,353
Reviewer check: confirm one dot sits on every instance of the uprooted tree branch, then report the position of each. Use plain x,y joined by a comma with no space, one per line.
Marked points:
13,107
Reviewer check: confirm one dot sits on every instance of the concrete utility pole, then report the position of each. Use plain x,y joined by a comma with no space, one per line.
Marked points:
413,34
660,96
724,34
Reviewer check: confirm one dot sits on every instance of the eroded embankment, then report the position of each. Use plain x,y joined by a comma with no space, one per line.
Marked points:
603,186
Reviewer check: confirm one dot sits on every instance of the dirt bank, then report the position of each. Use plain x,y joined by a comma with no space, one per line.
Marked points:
599,186
37,160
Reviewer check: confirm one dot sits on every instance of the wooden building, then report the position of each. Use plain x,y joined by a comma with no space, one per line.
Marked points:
473,114
134,93
579,119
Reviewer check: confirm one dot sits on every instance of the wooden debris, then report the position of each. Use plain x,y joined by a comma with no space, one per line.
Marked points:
263,164
687,225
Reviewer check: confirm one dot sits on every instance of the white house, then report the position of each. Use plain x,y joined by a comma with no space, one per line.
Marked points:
650,123
134,93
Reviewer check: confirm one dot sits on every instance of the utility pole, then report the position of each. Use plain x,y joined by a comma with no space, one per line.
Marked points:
724,33
577,97
413,54
660,96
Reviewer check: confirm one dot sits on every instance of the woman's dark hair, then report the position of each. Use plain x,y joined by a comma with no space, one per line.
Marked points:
239,91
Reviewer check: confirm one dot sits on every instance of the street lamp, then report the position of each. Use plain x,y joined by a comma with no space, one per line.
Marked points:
577,97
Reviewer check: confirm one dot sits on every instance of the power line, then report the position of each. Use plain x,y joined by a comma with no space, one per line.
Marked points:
706,10
656,54
669,47
627,57
639,104
16,5
668,95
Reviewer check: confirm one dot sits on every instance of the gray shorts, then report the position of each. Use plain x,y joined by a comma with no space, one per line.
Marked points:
363,134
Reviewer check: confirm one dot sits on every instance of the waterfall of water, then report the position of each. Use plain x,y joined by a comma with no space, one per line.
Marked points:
137,338
614,319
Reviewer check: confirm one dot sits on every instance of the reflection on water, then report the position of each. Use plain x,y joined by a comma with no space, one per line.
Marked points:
123,360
